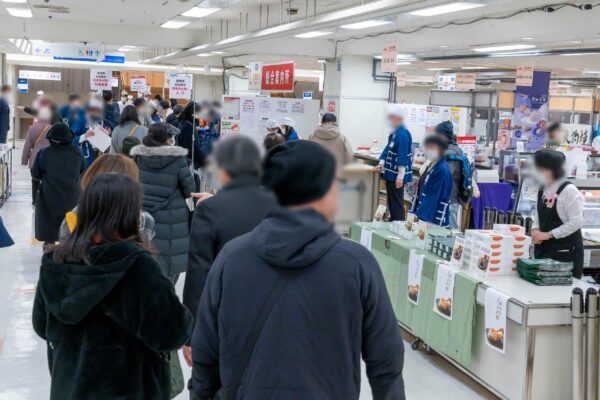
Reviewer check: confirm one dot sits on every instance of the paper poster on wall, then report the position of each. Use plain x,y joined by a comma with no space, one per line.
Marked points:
415,271
401,79
230,126
576,134
388,58
444,291
230,108
530,115
278,77
254,75
180,86
524,75
468,145
101,79
465,81
495,319
138,83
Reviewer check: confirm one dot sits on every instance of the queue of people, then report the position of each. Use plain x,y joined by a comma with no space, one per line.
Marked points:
118,231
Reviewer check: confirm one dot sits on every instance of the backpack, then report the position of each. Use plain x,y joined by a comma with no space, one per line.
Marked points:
465,191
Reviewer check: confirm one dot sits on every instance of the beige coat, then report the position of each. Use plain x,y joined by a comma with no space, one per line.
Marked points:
331,138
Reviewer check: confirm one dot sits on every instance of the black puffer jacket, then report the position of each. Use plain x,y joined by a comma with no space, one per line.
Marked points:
334,309
110,325
167,181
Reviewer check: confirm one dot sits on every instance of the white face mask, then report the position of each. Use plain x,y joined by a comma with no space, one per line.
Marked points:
44,114
539,177
431,154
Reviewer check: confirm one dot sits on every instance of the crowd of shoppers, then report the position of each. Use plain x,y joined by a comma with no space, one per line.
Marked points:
120,226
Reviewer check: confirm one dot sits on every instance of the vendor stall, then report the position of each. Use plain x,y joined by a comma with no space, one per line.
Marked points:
536,359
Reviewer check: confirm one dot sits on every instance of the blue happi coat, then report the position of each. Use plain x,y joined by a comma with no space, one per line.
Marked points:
398,153
432,200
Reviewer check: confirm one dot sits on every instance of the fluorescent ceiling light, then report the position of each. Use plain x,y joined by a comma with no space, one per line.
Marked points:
203,46
174,24
204,55
125,49
444,46
592,72
231,39
200,12
505,47
321,61
366,24
313,34
578,54
20,12
527,38
445,9
468,68
439,69
400,57
403,63
15,1
217,52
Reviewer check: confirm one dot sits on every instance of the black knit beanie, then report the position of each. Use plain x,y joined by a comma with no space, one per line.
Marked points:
60,134
298,172
447,129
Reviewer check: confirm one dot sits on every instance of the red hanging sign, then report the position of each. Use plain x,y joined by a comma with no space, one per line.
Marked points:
278,77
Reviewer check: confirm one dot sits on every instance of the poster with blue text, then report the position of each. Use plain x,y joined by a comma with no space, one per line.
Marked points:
530,116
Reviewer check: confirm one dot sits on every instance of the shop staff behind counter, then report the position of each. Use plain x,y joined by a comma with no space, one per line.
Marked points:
558,215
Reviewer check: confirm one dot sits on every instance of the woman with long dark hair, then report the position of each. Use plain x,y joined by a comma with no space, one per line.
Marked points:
129,126
106,310
168,182
188,126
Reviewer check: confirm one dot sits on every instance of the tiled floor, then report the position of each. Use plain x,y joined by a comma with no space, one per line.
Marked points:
23,366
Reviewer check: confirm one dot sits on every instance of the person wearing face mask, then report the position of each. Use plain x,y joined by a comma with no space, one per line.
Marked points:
72,113
395,162
35,141
94,118
432,199
558,215
123,102
288,125
142,110
188,126
4,113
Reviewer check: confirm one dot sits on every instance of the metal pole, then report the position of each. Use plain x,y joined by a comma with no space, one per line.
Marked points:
578,344
591,350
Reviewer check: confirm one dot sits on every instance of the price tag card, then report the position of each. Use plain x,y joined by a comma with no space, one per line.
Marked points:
415,270
366,238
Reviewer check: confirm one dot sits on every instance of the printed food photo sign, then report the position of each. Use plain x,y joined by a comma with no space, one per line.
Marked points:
415,270
530,115
495,319
444,291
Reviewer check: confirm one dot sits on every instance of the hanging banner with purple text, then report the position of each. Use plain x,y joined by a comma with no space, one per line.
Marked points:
530,115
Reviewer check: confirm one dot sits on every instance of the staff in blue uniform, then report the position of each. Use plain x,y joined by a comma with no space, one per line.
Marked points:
94,118
73,113
395,162
288,125
432,200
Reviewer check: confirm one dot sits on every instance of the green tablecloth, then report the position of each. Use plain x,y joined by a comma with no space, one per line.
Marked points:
452,338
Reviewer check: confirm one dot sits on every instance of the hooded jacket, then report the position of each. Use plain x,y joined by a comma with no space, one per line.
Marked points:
109,325
168,182
330,137
334,307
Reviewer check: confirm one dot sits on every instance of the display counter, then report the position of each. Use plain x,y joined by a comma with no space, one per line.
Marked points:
537,363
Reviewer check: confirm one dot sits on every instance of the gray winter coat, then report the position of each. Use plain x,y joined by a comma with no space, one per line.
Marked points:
167,181
120,132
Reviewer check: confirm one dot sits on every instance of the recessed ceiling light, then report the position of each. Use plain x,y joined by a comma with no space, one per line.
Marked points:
199,12
313,34
506,47
15,1
366,24
20,12
527,38
204,55
445,9
217,52
174,24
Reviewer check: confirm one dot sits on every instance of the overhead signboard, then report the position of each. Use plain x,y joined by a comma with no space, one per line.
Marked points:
23,85
71,51
40,75
524,75
254,75
447,82
278,77
465,81
307,95
100,79
180,86
138,83
388,58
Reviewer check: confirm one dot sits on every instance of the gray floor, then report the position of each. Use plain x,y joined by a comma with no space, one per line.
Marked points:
23,366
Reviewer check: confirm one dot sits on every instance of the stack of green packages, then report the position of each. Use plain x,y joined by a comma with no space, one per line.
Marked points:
546,272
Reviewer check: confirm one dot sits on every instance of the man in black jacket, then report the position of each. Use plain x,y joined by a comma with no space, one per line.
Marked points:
288,308
4,113
235,210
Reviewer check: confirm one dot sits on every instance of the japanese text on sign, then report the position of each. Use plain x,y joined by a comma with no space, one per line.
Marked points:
278,77
100,79
524,75
388,58
180,86
138,84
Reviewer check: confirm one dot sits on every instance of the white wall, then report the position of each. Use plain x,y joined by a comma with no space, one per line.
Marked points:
207,87
413,94
362,102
